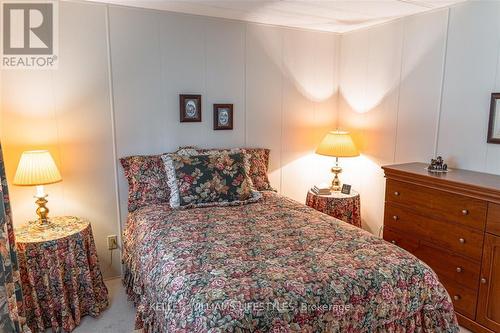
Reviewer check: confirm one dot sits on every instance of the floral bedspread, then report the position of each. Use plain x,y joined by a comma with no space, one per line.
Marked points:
274,266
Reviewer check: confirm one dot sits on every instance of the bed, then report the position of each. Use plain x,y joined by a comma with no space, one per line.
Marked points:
274,266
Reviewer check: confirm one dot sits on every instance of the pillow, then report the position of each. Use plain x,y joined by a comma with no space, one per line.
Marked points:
209,179
147,181
259,165
258,161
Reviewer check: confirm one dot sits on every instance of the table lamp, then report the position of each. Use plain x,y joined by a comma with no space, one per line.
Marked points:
37,168
337,144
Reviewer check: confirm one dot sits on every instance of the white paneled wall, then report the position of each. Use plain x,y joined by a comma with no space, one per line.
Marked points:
281,82
470,73
68,112
417,86
264,93
308,109
408,89
420,86
116,93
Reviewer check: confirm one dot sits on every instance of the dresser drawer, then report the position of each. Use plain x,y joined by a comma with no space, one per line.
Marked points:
493,221
395,237
464,299
459,269
452,267
462,240
439,204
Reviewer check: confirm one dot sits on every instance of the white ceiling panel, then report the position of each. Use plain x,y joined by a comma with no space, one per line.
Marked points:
333,16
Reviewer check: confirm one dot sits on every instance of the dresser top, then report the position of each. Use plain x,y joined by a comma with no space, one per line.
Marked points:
466,181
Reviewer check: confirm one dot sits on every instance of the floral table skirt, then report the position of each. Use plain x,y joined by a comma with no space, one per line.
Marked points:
343,207
60,276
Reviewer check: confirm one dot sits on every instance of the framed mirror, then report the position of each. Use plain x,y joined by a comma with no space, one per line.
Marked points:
494,123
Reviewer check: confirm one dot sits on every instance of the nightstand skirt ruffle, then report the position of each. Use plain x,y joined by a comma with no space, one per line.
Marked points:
61,281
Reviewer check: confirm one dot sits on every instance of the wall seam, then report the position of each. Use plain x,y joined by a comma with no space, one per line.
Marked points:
403,44
162,75
338,43
113,125
245,138
443,71
282,56
58,134
204,92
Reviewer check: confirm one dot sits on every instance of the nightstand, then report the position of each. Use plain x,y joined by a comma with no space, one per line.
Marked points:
60,274
345,207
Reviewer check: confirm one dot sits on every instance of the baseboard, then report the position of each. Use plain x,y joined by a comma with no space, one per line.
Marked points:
471,325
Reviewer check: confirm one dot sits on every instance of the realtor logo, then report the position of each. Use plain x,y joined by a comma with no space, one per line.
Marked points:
29,34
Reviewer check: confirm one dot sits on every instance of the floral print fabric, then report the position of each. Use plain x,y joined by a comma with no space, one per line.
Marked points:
12,317
344,207
147,180
60,274
258,165
206,179
274,266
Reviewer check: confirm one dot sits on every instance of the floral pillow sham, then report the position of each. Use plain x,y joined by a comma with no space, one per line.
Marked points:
147,181
208,180
258,163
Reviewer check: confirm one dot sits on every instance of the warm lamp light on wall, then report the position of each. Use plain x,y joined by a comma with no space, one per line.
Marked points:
37,168
337,144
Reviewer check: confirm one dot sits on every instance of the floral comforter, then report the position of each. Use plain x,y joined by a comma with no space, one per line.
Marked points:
274,266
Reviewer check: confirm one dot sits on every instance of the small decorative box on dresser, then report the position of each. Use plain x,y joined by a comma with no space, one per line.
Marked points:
451,221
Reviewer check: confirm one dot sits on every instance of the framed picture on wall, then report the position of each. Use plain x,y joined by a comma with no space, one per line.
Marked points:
190,108
223,116
494,123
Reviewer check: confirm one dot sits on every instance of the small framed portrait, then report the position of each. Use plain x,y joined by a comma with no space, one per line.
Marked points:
223,116
190,108
346,189
494,123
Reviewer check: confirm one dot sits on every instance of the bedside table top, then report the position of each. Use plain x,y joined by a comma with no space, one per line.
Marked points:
62,226
337,195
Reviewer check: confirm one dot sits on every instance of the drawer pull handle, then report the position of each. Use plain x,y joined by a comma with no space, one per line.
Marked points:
465,212
483,280
396,193
461,240
459,269
456,297
395,217
393,242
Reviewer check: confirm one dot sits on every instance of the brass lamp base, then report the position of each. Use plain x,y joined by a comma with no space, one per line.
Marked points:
42,211
336,185
336,170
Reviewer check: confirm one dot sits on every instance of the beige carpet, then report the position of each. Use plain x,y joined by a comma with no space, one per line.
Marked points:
119,317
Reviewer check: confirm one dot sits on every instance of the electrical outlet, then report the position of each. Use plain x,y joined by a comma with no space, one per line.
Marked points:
112,242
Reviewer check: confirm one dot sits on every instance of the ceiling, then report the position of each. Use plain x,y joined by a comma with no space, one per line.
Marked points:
333,15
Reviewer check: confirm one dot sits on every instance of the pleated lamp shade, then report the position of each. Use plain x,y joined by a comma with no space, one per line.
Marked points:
337,144
36,167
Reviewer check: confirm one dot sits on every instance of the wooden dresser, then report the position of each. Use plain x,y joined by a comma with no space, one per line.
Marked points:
451,221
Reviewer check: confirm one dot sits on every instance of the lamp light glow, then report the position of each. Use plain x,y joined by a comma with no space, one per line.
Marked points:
337,144
37,168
